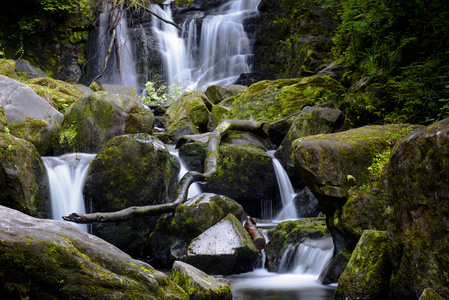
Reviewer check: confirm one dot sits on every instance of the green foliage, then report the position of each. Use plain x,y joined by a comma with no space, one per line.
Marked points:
162,93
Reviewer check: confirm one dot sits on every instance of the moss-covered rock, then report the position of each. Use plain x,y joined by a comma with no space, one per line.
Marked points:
3,120
270,101
23,182
130,170
226,248
173,233
218,93
368,271
290,233
197,284
418,183
94,119
336,266
119,89
47,259
29,116
430,294
219,113
8,68
337,166
187,115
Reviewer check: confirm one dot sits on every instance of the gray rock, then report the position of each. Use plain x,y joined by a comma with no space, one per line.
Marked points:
119,90
226,248
48,259
198,284
31,71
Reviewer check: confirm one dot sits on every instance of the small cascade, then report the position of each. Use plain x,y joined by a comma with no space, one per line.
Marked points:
217,55
288,211
66,176
194,188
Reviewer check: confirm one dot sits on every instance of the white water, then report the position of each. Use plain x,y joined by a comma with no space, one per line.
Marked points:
288,211
194,188
223,52
66,175
125,73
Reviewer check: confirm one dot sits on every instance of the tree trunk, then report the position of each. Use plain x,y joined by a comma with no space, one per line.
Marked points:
257,236
182,189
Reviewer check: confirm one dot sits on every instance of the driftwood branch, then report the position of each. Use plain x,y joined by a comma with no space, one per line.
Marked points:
159,17
211,163
257,236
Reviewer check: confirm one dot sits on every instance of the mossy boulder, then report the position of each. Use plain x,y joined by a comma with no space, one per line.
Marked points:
23,181
95,119
418,183
334,165
173,233
218,113
430,294
292,233
311,121
270,101
8,68
119,90
336,266
29,116
199,285
187,115
367,275
218,93
130,170
48,259
225,248
27,70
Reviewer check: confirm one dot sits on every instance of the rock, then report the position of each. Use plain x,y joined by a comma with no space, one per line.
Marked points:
270,101
336,266
218,93
95,119
130,170
48,259
29,116
430,294
226,248
219,113
198,284
119,90
368,271
292,233
279,129
27,70
306,204
333,164
311,121
3,120
173,233
419,197
187,115
8,68
23,182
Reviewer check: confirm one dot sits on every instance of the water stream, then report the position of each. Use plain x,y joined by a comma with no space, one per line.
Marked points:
66,175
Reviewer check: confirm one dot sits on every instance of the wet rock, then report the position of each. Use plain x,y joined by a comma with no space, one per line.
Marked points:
218,93
29,116
48,259
95,119
187,115
419,199
198,284
292,233
336,266
226,248
173,233
306,204
130,170
23,182
367,275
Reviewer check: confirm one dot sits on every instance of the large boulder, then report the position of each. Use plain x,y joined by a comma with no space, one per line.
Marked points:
419,198
95,119
225,248
173,233
290,234
130,170
368,272
270,101
48,259
187,115
333,166
218,93
199,285
23,182
29,116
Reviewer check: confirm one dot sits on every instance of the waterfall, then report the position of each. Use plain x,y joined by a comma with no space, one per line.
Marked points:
66,176
286,190
194,188
125,73
223,52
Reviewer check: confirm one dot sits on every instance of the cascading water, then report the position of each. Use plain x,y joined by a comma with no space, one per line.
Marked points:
223,52
286,190
66,175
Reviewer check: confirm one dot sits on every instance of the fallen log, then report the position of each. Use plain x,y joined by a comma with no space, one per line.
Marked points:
257,236
181,192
